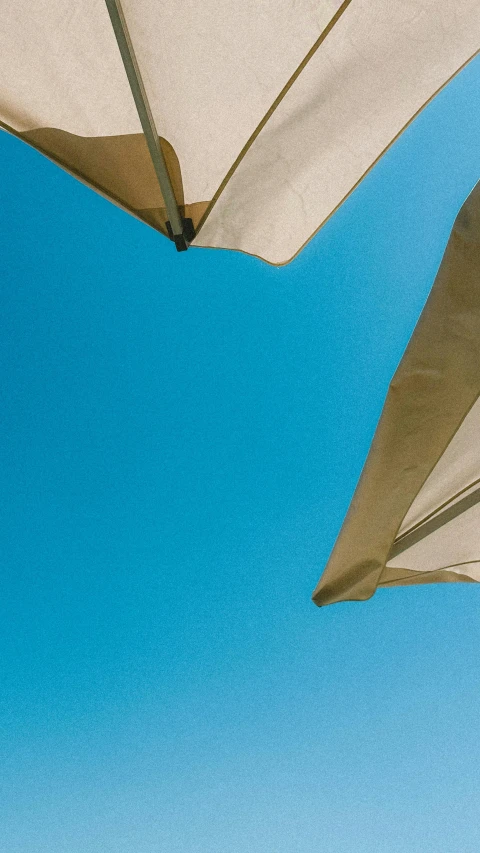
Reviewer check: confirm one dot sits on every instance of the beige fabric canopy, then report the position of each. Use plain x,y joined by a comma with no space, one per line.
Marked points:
269,111
415,515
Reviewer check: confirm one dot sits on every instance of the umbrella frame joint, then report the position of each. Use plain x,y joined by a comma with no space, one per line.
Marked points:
182,240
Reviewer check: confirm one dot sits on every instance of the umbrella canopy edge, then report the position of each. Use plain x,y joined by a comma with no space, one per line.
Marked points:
434,388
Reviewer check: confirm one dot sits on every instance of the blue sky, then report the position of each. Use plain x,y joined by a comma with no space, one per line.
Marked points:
181,436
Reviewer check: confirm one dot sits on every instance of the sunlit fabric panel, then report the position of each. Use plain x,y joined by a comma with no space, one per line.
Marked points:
212,70
60,68
377,68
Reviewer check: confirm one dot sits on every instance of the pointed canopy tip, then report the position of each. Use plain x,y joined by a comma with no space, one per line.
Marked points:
415,515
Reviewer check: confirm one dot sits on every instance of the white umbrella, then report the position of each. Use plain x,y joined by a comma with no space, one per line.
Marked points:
242,125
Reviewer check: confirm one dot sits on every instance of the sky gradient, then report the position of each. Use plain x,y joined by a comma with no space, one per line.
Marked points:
180,439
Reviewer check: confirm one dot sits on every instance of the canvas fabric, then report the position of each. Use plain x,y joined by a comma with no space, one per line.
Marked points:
270,113
415,515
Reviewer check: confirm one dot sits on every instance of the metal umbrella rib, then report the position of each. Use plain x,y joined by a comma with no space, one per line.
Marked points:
120,28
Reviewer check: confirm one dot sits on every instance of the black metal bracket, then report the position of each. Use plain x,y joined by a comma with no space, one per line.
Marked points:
183,240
